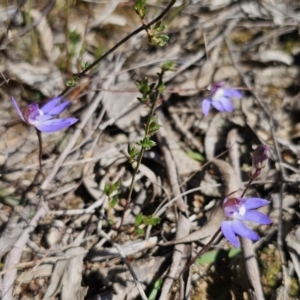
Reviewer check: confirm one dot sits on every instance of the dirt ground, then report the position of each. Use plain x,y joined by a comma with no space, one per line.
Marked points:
116,207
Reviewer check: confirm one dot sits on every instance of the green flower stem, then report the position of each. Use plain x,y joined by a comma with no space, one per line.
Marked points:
154,103
39,134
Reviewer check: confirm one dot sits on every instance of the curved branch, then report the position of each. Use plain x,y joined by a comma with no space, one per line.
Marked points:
123,41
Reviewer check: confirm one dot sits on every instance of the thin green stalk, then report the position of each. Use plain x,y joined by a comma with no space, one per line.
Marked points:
154,103
147,135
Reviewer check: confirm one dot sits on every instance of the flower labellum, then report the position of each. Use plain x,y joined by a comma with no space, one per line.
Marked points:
219,98
42,118
238,210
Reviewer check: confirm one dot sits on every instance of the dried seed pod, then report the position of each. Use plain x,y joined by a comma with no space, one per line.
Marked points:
260,157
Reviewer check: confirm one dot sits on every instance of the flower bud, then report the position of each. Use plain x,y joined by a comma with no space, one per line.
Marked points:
260,157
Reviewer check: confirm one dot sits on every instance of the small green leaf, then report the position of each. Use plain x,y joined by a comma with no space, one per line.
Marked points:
234,252
140,231
132,151
74,37
168,66
143,86
153,126
217,255
208,257
161,87
195,155
159,27
114,201
140,8
106,189
157,286
116,185
139,219
84,64
163,39
150,220
146,143
158,40
139,4
71,83
111,188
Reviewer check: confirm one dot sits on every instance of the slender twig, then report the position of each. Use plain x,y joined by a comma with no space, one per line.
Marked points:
123,41
253,177
39,134
154,103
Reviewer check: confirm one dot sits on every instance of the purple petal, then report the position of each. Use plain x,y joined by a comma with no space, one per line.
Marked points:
50,105
256,216
240,229
217,105
42,119
58,109
227,230
206,106
56,124
15,104
252,203
230,93
227,105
